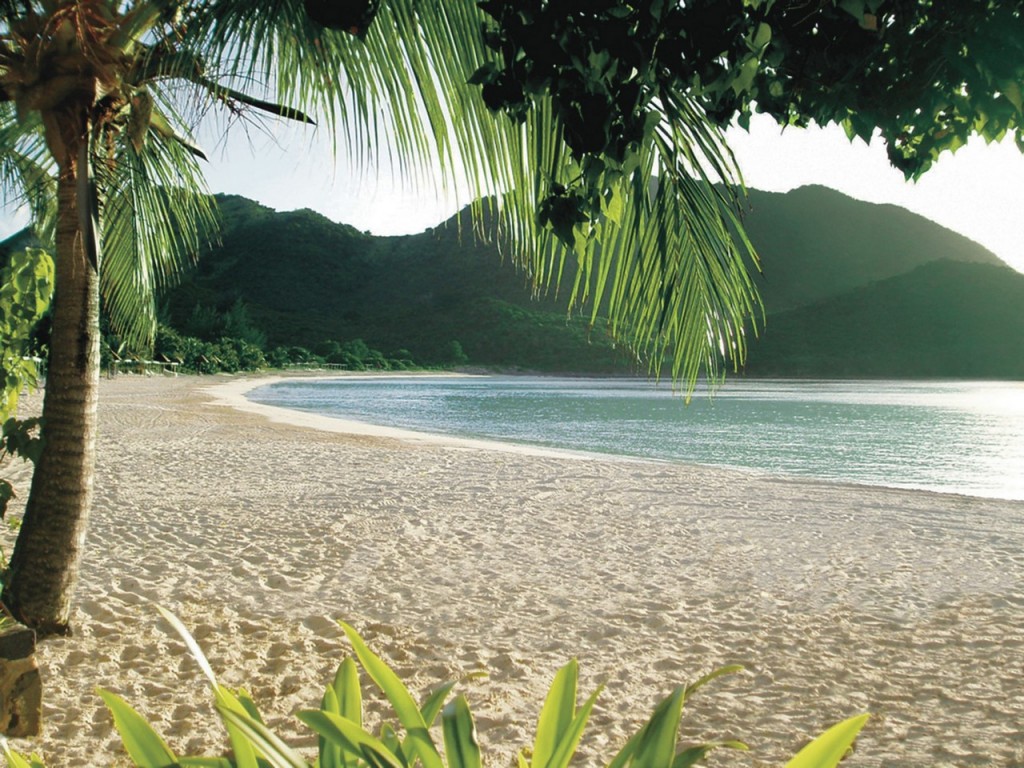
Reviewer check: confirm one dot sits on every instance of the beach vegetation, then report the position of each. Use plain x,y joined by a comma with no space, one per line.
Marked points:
343,738
26,289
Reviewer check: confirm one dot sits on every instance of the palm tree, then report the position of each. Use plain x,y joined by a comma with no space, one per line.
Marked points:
99,99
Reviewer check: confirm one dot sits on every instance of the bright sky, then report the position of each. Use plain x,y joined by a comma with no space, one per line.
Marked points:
979,191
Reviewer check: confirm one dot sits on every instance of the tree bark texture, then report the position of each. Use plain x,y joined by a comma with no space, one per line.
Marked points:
44,567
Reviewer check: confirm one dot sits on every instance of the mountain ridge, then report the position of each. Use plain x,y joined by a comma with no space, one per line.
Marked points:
851,289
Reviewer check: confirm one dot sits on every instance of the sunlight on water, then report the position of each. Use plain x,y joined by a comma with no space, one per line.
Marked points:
958,437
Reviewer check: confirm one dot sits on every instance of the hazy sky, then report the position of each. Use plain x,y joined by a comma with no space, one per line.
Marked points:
979,191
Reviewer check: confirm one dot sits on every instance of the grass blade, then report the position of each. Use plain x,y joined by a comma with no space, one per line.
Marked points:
16,759
720,672
244,748
433,703
693,755
346,688
191,644
341,697
330,753
570,738
656,747
460,744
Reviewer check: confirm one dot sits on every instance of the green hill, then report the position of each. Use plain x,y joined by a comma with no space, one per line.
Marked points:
305,279
945,319
815,243
850,289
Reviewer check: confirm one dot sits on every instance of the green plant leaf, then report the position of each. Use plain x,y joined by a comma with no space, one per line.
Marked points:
693,755
828,749
329,752
191,644
570,738
714,675
418,741
654,745
248,705
351,737
245,752
346,688
556,715
275,751
144,746
432,704
389,738
16,759
460,745
245,749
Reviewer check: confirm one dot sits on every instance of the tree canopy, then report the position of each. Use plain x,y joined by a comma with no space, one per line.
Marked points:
925,75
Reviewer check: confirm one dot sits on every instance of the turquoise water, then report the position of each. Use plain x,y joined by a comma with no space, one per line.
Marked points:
958,437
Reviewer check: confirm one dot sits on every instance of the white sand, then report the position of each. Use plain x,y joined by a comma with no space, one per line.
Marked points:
454,559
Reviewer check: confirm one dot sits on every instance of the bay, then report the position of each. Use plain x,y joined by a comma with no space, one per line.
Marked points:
953,437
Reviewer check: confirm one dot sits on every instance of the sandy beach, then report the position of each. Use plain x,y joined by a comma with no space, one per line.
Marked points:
260,530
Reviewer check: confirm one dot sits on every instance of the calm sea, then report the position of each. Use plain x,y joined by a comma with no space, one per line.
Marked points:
958,437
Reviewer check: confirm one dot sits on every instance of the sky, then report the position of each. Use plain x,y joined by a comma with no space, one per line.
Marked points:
978,191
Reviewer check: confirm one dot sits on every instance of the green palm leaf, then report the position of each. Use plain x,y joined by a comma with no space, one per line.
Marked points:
157,217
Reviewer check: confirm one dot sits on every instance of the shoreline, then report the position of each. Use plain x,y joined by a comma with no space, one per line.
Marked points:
234,395
454,561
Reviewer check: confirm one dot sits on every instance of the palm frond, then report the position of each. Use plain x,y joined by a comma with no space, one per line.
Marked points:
666,263
157,216
27,170
668,269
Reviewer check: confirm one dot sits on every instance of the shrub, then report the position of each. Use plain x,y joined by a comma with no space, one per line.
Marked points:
343,741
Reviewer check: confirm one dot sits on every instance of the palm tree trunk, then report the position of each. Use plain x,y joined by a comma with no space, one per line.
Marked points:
44,567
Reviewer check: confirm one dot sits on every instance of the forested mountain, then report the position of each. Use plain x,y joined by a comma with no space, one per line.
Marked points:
850,289
815,243
305,279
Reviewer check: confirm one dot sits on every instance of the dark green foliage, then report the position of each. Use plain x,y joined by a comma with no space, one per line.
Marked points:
26,288
611,70
354,16
456,354
308,282
204,323
237,325
926,75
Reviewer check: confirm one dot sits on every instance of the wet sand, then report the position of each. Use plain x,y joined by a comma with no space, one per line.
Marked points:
455,559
